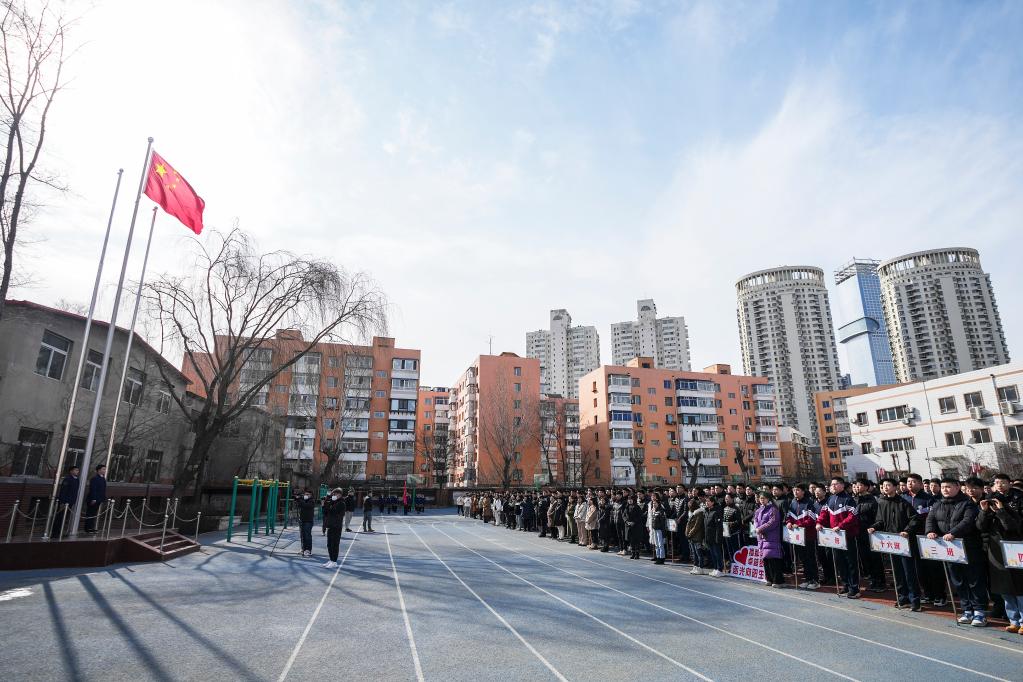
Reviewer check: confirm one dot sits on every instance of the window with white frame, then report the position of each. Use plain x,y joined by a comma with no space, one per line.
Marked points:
52,358
133,385
947,404
91,371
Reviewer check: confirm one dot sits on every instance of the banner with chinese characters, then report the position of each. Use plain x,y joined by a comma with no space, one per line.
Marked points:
835,539
748,564
942,550
890,543
794,536
1013,554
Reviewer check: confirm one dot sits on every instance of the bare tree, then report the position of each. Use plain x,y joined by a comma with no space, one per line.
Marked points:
348,407
504,429
546,436
231,306
693,465
34,53
586,464
76,307
740,460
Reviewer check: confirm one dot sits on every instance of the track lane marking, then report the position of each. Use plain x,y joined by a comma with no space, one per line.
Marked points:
404,611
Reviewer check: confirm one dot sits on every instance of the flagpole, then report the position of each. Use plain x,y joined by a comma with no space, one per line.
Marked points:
91,440
81,362
131,336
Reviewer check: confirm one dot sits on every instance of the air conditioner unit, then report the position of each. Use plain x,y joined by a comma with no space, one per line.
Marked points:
977,413
1007,407
907,420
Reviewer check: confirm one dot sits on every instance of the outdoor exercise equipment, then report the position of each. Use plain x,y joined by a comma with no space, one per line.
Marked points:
262,493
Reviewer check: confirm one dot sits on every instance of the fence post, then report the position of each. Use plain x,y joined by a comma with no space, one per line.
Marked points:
287,504
63,521
35,514
252,507
14,515
163,533
124,524
142,513
198,519
230,514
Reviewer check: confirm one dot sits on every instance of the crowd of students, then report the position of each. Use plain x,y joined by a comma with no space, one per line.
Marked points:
706,526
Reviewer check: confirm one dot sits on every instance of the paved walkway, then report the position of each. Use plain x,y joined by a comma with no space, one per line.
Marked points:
439,597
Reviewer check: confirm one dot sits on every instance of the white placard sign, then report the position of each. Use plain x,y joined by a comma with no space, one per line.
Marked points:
748,564
725,530
942,550
672,525
752,529
794,536
890,543
1013,554
835,539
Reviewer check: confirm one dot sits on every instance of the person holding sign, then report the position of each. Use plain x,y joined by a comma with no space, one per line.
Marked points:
767,522
896,515
802,513
839,513
954,517
998,518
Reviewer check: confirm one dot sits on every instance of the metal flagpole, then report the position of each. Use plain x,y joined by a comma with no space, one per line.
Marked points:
81,364
91,440
131,337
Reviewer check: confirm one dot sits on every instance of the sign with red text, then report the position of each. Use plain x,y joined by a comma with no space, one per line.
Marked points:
748,564
794,536
835,539
1013,554
942,550
890,543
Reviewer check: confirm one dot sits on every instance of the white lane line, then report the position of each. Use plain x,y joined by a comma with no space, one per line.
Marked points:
404,611
629,637
702,623
782,615
316,613
497,615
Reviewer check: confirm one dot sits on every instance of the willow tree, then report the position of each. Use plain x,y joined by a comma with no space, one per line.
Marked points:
225,313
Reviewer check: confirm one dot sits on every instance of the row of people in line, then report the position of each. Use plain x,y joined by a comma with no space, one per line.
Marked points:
706,526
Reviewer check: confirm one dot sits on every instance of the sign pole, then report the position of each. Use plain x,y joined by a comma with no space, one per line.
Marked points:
834,567
891,560
795,567
951,595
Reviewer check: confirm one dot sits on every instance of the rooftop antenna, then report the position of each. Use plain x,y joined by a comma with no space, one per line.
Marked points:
491,337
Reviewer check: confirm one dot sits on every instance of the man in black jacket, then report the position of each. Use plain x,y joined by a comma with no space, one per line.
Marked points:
306,506
333,524
95,497
349,509
866,510
66,497
896,515
367,512
954,517
542,507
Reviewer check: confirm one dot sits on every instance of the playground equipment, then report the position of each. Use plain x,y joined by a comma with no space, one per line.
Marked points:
263,493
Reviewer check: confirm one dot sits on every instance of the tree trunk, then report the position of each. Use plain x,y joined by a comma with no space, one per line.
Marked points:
200,451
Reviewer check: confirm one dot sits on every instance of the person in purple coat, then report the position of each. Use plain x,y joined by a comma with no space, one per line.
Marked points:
767,521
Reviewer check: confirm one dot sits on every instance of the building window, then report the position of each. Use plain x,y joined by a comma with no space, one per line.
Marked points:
120,463
331,382
404,363
825,403
667,383
954,438
518,371
827,417
518,421
1008,393
381,394
1014,434
518,404
90,374
865,448
980,435
974,399
163,402
334,361
30,452
133,384
861,418
668,402
518,388
151,470
947,404
891,414
898,444
53,352
281,388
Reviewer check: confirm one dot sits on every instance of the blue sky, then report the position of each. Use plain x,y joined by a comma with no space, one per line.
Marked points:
486,162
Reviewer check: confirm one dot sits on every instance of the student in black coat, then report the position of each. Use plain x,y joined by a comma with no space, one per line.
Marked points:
306,506
954,517
333,524
367,513
95,497
67,496
635,526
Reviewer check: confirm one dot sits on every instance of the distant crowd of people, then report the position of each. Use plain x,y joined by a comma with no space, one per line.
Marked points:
706,527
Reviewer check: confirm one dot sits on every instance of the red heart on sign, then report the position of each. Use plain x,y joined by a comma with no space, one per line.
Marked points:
741,556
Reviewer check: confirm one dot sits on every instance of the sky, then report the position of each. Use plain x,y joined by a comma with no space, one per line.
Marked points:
487,162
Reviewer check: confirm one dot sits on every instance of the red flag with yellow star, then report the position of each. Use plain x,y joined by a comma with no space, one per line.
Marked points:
174,194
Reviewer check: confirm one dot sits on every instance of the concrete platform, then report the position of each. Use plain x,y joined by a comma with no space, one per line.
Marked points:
439,597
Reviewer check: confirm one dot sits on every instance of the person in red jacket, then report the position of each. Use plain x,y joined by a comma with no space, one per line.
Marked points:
839,513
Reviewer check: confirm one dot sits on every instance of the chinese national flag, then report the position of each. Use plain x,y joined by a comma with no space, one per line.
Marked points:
174,194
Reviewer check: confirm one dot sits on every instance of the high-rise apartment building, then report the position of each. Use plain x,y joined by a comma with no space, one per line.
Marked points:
862,333
565,353
665,339
941,314
786,334
356,404
660,426
431,448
